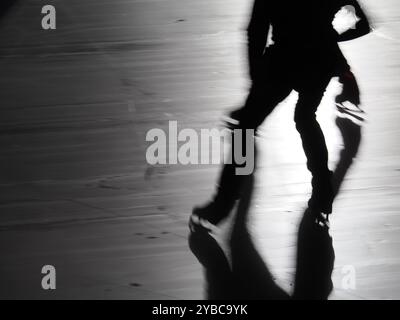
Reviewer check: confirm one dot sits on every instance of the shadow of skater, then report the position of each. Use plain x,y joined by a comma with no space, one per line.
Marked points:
245,275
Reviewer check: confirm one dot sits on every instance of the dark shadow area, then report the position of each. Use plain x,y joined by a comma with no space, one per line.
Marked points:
244,275
314,262
5,5
248,268
351,137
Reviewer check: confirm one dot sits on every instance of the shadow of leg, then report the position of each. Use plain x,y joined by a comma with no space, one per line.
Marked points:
351,135
315,252
315,261
248,276
219,280
249,270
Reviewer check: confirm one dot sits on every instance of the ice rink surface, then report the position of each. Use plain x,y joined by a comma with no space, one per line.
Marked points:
76,191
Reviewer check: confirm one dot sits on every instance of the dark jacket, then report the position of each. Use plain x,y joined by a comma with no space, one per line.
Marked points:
302,27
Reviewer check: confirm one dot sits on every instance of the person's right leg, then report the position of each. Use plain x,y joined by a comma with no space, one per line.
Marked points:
314,146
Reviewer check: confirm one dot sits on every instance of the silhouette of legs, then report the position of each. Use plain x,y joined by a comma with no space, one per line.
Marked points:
265,94
281,76
314,146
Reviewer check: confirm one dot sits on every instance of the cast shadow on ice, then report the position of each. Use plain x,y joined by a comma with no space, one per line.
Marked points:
245,275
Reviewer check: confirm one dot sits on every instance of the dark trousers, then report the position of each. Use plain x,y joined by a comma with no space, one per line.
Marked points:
282,71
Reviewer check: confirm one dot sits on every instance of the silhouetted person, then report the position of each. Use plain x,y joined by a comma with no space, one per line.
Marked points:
304,57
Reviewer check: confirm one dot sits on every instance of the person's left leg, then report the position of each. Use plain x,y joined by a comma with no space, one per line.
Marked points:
270,88
314,146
